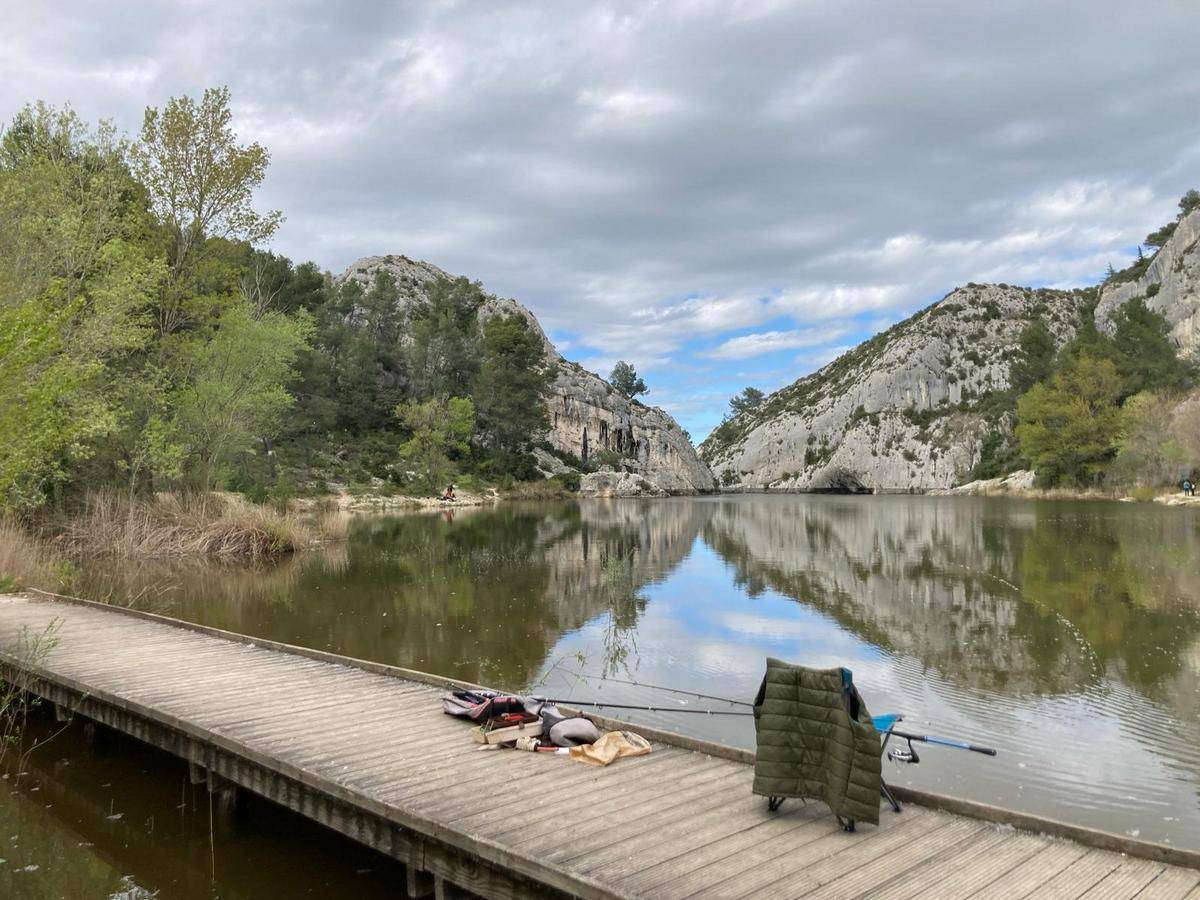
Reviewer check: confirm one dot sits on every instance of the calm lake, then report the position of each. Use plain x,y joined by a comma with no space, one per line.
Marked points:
1065,634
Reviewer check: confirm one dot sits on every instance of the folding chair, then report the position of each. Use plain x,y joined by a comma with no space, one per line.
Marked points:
884,725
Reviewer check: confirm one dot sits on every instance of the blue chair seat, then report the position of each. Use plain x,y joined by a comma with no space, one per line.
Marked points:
885,722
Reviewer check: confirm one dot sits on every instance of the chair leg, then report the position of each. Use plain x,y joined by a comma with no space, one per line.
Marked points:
891,798
847,824
773,803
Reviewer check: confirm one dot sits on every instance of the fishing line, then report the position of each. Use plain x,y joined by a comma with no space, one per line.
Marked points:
671,709
659,687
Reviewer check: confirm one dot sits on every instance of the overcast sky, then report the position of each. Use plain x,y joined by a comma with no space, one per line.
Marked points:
723,193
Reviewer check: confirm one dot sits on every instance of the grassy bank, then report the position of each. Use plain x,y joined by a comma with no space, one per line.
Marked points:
41,552
27,561
107,524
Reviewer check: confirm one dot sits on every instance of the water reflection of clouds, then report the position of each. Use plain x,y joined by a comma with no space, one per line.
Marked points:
924,636
965,615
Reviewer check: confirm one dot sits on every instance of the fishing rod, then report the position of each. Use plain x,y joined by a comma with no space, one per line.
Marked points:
674,709
944,742
660,687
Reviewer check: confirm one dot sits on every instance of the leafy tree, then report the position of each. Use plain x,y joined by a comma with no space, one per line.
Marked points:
750,398
74,290
1087,341
626,380
438,429
1189,202
1146,356
1069,429
444,353
1185,428
1035,357
509,394
1150,453
201,184
364,332
1158,238
997,456
236,393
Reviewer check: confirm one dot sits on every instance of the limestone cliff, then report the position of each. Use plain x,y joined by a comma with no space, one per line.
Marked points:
1170,284
906,410
589,420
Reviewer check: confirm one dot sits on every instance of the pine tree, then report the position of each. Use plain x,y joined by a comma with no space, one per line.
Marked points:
509,395
626,380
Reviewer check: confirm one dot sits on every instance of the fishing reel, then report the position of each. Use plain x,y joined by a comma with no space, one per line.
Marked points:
904,754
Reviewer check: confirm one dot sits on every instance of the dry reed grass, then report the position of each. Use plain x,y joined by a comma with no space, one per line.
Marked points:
108,524
25,560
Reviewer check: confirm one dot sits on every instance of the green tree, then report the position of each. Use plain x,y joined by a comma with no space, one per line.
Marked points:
364,332
1189,202
626,380
1088,340
1149,454
444,352
438,428
1035,357
750,398
236,395
1158,238
1069,429
1147,360
201,186
510,390
75,286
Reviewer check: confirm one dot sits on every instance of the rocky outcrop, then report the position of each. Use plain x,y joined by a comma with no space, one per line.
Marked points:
906,410
1013,483
1170,285
590,422
618,484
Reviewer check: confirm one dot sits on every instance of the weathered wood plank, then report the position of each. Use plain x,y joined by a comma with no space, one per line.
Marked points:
1171,884
644,830
1126,880
725,851
682,838
1078,878
796,868
702,791
950,867
1029,874
869,876
371,755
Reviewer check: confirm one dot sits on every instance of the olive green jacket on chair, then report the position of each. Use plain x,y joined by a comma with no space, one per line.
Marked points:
811,745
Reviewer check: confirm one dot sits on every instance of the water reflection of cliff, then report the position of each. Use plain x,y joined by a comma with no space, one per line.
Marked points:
484,595
1014,597
1017,597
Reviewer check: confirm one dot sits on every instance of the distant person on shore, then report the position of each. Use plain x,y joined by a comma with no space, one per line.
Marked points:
448,493
1189,489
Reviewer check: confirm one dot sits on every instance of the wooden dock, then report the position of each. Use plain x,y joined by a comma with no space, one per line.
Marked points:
366,750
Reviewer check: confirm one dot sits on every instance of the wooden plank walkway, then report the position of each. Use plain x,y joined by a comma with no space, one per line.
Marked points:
373,756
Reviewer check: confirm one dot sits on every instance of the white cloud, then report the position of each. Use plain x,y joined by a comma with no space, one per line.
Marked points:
749,345
643,175
838,301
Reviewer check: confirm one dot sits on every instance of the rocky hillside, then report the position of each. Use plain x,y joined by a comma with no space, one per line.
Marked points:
590,421
1170,282
906,410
